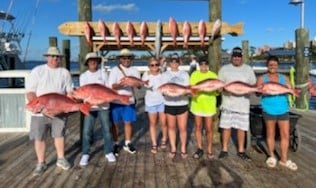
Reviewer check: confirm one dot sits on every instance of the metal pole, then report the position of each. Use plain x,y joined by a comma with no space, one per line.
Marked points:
302,14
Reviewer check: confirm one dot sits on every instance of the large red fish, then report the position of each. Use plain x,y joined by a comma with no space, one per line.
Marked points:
174,90
52,104
143,32
202,32
96,94
133,81
130,30
173,28
208,85
240,88
117,33
187,31
103,30
88,32
274,88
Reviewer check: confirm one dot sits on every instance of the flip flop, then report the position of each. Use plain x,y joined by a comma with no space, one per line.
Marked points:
271,162
163,144
172,154
210,156
154,149
289,164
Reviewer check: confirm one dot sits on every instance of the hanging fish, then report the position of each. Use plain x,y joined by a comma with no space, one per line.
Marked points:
202,32
117,33
130,32
88,32
215,29
173,28
186,33
143,32
103,30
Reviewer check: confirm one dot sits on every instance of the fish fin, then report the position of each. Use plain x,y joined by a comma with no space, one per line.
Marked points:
85,108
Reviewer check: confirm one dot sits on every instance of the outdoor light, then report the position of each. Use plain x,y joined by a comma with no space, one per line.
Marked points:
297,2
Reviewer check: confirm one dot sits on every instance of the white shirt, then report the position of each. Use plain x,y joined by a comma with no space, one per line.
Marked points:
153,96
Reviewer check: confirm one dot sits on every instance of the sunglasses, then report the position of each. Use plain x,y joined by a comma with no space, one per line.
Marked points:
154,65
127,58
54,56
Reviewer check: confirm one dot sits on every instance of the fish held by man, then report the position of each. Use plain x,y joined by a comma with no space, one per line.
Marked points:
240,88
96,94
274,88
143,32
117,32
88,32
52,104
103,30
173,28
133,81
130,30
215,29
208,85
175,90
187,32
202,32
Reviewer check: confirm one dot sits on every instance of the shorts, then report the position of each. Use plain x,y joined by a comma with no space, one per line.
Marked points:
176,110
40,125
285,116
123,113
237,120
155,108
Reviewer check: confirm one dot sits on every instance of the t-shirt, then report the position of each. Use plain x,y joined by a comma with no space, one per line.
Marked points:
180,77
203,102
152,95
115,77
230,73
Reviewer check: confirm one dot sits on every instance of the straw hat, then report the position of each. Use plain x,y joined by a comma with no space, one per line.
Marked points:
53,51
125,53
92,55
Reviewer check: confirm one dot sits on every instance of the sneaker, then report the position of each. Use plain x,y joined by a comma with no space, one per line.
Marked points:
116,150
129,148
84,160
110,157
223,155
243,156
63,163
39,169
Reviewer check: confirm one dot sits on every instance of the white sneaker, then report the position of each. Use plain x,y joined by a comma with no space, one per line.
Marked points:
110,157
84,160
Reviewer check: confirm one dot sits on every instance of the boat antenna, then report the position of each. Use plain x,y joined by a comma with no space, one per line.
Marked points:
7,14
30,34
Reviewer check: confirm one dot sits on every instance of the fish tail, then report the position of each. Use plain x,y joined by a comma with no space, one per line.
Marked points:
146,82
194,91
85,108
124,99
296,92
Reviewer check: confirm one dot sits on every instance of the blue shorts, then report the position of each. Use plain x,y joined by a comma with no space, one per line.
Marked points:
123,113
155,108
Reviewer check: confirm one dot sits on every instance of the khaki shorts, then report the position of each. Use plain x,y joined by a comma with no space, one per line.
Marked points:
42,125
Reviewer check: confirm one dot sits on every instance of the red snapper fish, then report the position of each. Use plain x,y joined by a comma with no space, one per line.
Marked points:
52,104
133,81
117,33
274,88
215,29
174,90
88,32
130,30
173,28
103,30
187,31
240,88
96,94
208,85
202,32
143,32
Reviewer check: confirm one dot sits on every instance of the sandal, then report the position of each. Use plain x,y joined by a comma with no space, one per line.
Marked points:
210,156
154,149
289,164
172,154
271,162
198,154
163,144
184,155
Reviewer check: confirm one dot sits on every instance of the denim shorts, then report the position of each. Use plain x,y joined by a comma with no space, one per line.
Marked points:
123,113
155,108
285,116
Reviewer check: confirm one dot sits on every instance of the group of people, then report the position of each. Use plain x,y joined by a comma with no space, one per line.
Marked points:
170,111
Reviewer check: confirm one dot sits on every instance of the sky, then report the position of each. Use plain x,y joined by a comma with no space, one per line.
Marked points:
266,22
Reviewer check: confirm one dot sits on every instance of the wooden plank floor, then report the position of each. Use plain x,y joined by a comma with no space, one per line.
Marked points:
17,161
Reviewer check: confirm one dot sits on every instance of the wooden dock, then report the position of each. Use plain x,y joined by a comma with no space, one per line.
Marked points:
143,169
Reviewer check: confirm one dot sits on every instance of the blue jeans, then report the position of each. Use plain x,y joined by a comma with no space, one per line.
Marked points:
88,125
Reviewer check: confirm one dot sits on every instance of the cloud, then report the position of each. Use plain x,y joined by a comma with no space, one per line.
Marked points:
103,8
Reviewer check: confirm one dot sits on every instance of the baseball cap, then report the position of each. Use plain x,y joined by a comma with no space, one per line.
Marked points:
237,51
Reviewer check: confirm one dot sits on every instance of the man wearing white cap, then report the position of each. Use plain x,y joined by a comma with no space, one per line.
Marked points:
121,112
43,79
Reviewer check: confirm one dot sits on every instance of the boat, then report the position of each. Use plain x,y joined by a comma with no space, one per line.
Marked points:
10,43
312,72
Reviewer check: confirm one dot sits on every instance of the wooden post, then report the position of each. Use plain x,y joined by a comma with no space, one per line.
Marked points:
52,41
245,51
66,51
215,56
301,67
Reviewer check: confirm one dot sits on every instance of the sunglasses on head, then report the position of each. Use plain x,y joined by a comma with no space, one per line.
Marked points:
154,65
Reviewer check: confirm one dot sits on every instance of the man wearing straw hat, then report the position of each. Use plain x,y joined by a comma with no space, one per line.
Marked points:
43,79
121,112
